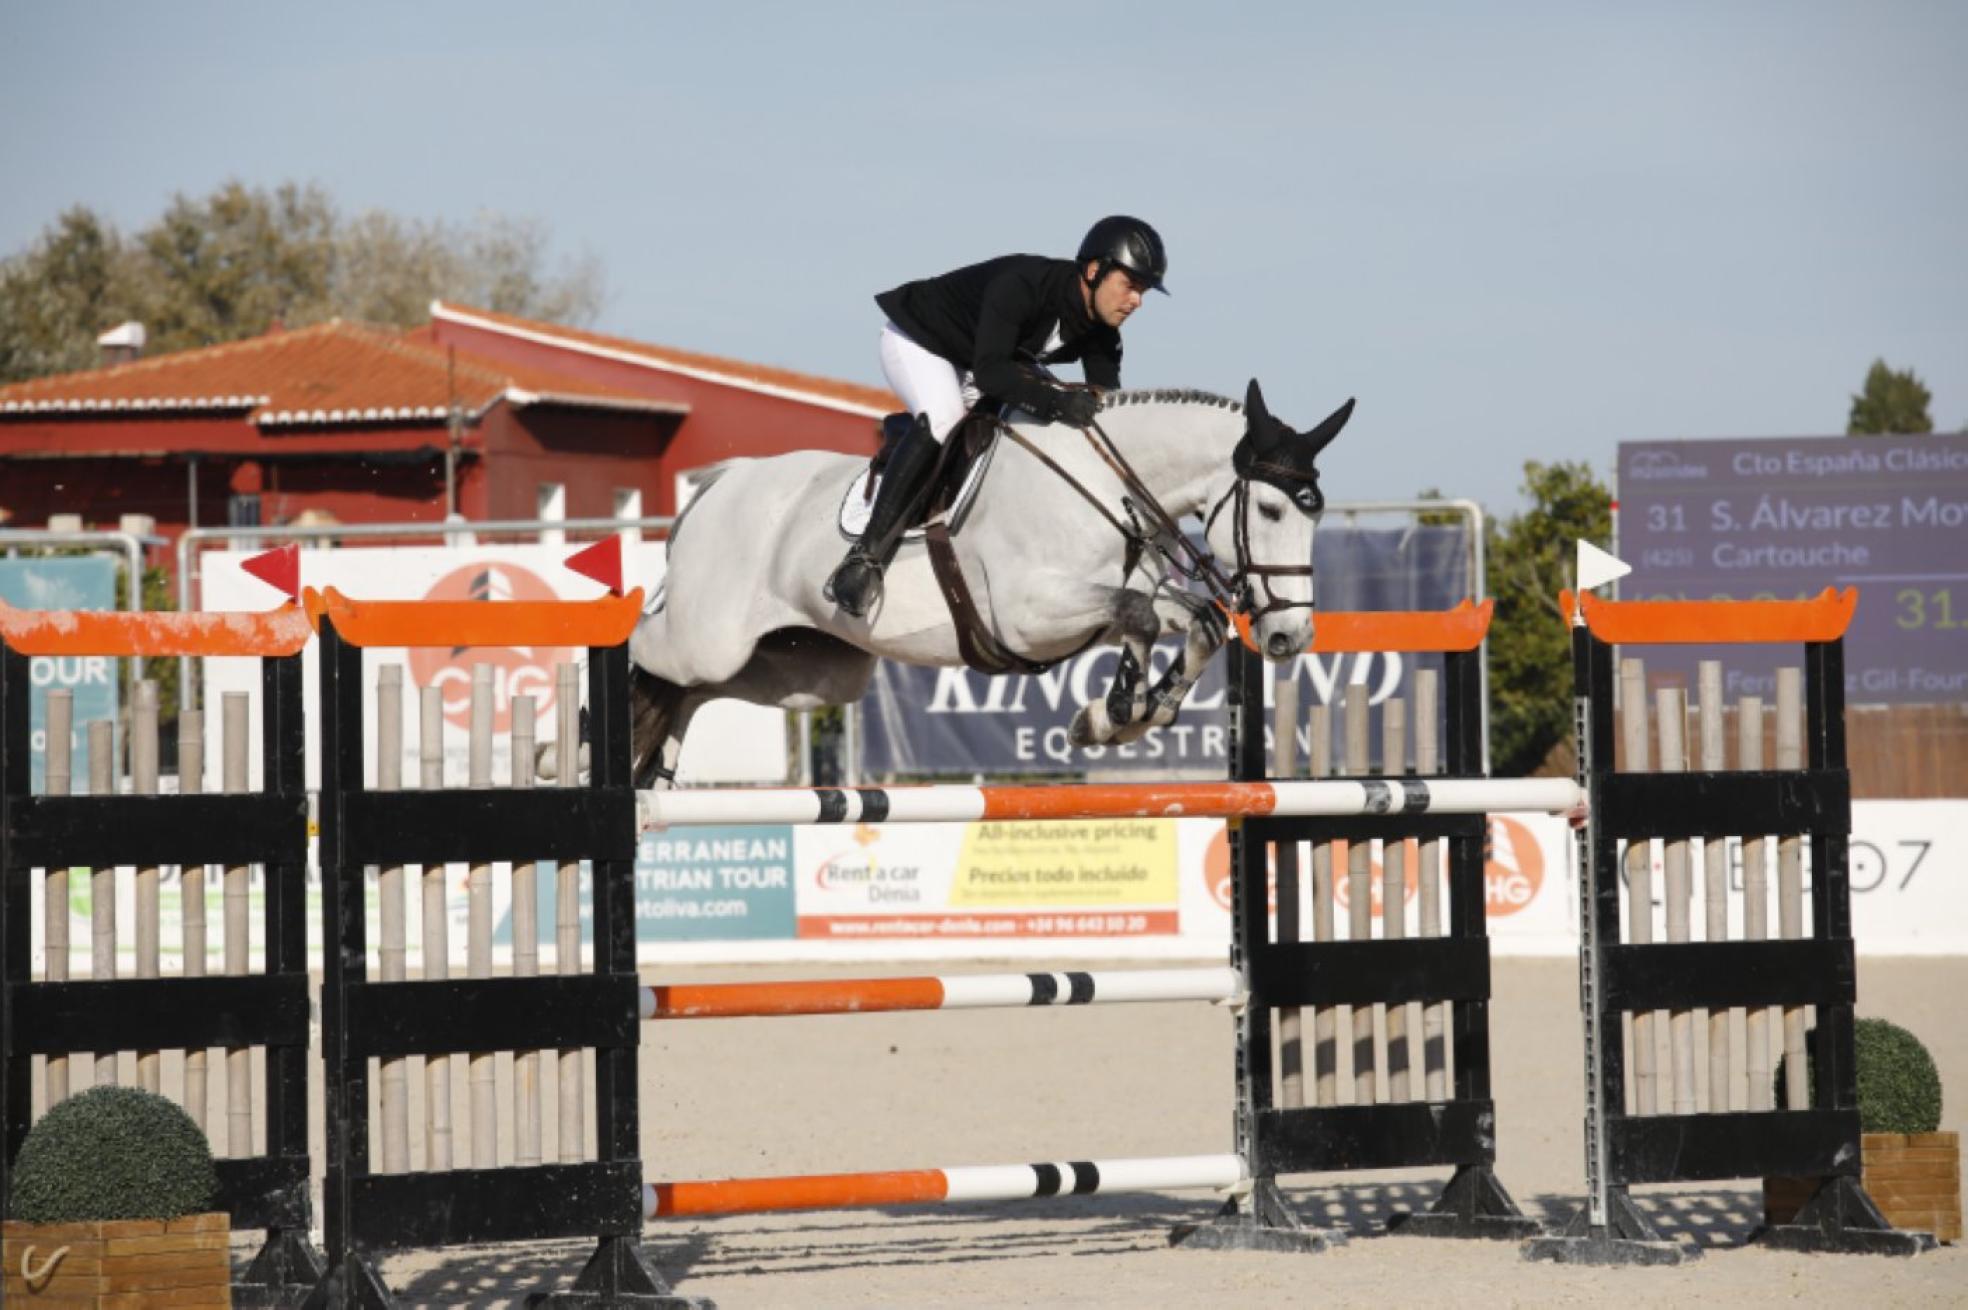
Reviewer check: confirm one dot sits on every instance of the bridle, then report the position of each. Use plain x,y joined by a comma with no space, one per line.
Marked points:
1233,591
1306,496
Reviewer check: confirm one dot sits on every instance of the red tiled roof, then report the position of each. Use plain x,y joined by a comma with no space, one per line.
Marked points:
731,372
332,373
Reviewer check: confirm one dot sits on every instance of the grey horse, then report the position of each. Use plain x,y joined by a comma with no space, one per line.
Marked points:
741,611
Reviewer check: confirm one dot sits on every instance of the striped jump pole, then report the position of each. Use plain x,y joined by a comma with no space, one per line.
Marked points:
1138,800
960,992
1010,1182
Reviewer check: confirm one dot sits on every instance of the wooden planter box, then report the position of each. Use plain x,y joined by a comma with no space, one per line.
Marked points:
119,1264
1914,1178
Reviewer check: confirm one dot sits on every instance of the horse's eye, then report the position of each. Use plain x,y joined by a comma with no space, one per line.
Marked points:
1308,500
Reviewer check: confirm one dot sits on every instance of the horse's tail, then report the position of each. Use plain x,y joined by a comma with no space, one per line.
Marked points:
653,704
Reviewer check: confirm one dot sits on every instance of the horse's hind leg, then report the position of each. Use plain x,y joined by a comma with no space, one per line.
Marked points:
792,668
659,711
659,715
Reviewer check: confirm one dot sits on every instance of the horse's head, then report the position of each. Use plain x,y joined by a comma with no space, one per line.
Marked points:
1263,519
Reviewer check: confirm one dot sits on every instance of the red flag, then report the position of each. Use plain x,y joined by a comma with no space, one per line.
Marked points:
602,562
279,568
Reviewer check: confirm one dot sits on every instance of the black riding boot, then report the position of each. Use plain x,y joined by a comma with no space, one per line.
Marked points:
856,585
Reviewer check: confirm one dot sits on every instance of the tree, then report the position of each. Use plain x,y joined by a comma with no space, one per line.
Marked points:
1891,402
388,269
75,281
1436,518
1530,561
233,263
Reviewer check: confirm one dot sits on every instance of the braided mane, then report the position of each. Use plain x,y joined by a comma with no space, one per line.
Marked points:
1169,396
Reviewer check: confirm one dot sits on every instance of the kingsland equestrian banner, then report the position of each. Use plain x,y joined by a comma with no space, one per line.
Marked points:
954,722
1737,520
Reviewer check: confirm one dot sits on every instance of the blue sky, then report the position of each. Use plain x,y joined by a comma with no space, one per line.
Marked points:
1515,232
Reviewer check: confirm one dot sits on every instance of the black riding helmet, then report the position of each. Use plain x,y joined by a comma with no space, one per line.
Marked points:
1129,243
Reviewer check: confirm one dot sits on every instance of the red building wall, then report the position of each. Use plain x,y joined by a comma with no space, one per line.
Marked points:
724,420
369,491
103,466
144,464
593,453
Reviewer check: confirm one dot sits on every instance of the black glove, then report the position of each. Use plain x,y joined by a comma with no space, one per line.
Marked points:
1074,405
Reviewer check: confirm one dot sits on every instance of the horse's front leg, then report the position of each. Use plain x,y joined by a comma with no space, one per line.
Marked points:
1137,624
1206,627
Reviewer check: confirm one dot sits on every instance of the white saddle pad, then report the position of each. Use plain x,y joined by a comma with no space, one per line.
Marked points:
860,499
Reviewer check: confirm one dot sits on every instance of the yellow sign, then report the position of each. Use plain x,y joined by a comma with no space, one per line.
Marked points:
1104,862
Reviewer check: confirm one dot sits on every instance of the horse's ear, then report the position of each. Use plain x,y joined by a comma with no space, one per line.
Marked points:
1259,416
1321,437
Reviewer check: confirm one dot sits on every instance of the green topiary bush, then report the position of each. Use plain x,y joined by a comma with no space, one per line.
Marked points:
113,1153
1899,1087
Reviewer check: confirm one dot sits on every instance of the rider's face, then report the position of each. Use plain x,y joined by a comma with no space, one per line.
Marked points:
1117,296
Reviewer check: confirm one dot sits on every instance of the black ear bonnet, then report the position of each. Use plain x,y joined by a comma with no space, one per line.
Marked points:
1271,452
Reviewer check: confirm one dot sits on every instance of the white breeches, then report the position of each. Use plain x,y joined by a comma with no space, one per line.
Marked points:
926,382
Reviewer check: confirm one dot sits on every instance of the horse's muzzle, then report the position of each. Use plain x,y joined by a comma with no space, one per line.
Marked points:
1279,647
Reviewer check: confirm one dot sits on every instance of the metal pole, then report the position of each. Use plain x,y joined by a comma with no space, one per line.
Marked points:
1479,551
851,746
1478,566
454,428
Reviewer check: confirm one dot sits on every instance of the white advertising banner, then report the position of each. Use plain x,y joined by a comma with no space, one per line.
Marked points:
730,742
1527,886
1909,872
1162,890
1159,889
1118,889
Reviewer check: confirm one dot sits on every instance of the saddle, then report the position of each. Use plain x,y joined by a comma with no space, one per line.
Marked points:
960,470
952,487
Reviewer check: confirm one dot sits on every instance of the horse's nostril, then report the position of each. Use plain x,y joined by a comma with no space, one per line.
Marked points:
1279,646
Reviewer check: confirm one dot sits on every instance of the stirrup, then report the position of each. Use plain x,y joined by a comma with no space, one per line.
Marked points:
843,591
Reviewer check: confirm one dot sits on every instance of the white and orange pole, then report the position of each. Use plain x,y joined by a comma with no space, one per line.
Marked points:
1015,1182
956,992
1137,800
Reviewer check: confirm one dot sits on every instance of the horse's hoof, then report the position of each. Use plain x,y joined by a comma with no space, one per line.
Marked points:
1081,731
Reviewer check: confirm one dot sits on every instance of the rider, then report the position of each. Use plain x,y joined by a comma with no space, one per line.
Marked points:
952,338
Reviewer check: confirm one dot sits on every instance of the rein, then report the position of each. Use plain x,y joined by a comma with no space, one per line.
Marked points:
1169,540
1233,591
